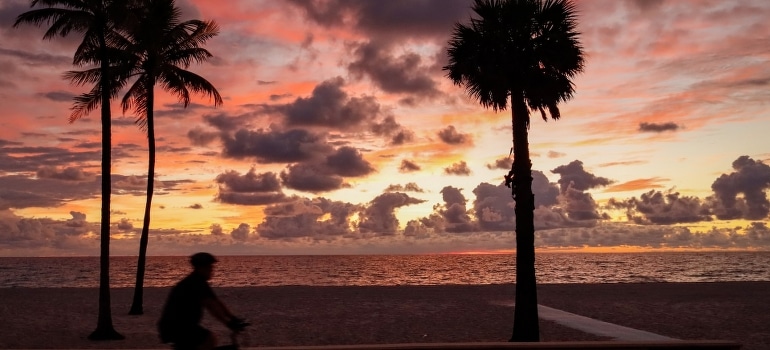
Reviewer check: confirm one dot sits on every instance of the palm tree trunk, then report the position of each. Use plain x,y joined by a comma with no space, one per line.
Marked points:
525,318
136,305
104,328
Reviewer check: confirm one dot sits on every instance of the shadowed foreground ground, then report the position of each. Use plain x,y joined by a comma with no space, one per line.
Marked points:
62,318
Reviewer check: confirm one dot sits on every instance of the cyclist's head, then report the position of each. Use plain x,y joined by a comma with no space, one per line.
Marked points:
202,259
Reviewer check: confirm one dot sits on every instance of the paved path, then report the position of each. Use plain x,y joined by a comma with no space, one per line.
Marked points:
590,325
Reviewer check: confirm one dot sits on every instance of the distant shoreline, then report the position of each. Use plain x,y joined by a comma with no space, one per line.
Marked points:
539,251
301,315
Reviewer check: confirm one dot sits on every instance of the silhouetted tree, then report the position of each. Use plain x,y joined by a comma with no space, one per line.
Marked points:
96,20
528,51
157,48
165,47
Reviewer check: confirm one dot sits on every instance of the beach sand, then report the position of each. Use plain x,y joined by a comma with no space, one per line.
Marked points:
299,315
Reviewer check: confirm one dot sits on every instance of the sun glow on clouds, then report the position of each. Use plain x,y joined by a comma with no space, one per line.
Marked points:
341,133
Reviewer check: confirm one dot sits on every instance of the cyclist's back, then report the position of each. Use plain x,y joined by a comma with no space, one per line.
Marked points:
181,316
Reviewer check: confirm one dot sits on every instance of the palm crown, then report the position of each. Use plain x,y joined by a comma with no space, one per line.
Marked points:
164,48
523,48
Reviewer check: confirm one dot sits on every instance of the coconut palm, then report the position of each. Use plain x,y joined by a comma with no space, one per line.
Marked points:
96,20
155,47
526,51
165,48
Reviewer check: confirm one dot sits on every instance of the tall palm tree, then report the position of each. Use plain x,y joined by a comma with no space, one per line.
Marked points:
528,51
96,20
151,48
164,47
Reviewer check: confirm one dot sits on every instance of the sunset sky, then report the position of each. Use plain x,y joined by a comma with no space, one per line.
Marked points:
340,134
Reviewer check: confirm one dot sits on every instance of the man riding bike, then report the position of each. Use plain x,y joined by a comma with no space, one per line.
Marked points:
180,320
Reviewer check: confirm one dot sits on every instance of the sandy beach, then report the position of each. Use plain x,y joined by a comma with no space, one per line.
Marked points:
298,315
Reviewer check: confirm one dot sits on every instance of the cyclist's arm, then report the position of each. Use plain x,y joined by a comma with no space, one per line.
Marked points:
218,309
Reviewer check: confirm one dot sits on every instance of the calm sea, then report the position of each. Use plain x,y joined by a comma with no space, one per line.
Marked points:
364,270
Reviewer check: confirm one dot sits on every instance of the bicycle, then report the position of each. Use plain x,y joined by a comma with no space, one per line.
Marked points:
235,331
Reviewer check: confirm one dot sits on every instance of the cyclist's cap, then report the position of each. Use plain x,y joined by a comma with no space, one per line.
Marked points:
202,259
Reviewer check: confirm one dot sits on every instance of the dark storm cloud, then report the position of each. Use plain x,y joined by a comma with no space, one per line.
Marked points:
658,127
310,178
326,174
124,225
20,233
250,198
756,235
493,207
317,219
405,74
389,127
394,19
19,199
224,122
452,195
137,185
9,10
88,145
249,189
278,97
455,214
37,59
573,173
19,192
28,159
272,146
348,162
200,137
750,178
648,5
67,173
409,187
241,233
546,192
4,143
249,182
451,136
656,207
58,96
578,205
501,163
460,168
408,166
330,106
402,137
379,217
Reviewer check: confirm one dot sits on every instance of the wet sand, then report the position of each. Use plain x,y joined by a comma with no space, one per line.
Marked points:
299,315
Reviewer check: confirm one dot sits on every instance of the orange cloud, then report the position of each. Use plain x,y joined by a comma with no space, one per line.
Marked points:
638,184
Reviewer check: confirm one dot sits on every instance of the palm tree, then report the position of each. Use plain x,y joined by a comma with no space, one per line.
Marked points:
151,48
528,51
164,48
96,19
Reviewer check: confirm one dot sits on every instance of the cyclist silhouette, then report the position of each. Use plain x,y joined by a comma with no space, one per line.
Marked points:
180,320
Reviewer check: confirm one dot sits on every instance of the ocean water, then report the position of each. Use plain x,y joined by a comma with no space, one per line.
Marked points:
393,270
